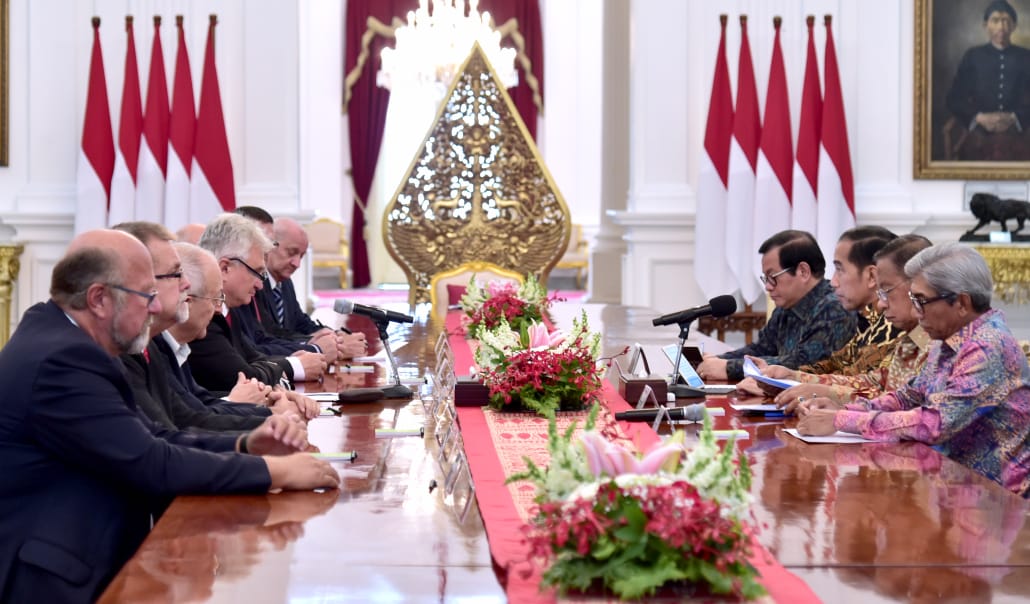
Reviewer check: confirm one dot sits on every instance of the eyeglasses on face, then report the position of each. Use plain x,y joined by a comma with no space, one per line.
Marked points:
253,271
771,279
175,275
920,302
882,293
149,297
219,301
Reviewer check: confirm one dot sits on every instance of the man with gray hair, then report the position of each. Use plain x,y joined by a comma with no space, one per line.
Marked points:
972,398
84,470
216,359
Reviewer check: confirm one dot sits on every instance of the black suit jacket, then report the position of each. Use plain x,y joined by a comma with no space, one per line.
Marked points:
81,469
196,395
217,358
150,379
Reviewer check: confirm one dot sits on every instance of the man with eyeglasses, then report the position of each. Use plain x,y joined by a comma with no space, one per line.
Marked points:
908,351
854,283
275,321
149,373
972,398
83,469
217,358
808,323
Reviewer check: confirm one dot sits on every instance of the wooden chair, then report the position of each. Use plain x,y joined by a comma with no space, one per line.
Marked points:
328,241
576,256
484,272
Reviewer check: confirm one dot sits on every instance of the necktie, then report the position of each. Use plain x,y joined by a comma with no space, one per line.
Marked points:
277,299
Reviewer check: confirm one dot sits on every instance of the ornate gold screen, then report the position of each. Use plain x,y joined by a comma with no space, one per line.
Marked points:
477,189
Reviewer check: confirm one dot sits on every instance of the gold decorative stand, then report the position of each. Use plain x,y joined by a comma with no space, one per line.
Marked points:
1010,269
9,267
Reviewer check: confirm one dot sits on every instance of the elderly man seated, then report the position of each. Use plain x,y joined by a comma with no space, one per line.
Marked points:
972,398
905,357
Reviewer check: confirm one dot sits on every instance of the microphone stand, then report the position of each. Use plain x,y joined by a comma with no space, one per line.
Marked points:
681,390
397,390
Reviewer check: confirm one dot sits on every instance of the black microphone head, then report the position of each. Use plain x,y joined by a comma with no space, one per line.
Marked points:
345,307
723,305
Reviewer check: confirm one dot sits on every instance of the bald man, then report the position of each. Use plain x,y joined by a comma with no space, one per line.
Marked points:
83,469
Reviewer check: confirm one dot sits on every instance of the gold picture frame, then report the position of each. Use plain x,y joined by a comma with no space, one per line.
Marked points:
944,147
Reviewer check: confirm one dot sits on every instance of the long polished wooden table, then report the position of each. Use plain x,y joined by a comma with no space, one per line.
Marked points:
875,522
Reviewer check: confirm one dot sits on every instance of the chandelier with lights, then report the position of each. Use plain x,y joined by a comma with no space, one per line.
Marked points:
432,46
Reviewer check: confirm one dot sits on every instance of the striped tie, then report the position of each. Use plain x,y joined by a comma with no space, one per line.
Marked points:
277,298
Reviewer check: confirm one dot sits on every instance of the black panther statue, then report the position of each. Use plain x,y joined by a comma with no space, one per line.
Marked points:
987,208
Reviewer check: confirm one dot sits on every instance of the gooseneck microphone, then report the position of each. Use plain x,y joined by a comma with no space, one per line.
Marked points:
719,306
346,307
691,413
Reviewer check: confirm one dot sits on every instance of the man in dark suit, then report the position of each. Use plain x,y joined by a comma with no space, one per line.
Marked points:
276,310
149,373
216,359
82,468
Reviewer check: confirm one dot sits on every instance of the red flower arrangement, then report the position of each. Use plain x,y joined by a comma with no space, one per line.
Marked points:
546,380
632,538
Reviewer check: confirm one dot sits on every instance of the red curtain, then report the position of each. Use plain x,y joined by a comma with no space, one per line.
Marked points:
365,103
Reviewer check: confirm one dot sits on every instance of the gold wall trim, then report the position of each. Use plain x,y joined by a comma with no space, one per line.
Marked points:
10,265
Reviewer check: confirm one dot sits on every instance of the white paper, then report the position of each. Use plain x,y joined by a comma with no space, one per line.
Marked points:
839,437
757,408
323,397
751,370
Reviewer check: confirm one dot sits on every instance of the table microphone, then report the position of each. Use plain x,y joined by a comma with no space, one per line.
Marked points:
690,413
719,306
346,307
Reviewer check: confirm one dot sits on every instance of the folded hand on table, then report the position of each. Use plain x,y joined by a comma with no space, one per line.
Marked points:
249,390
278,435
301,472
791,398
817,422
290,401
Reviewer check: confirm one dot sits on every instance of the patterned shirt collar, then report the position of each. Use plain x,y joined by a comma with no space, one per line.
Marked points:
955,340
807,304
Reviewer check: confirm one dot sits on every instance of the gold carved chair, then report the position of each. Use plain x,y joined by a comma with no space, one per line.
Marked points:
577,255
477,190
458,277
328,241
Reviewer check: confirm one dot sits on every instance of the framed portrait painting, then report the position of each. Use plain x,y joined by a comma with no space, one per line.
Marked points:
972,89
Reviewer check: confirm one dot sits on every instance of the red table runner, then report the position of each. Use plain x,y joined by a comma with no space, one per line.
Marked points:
495,444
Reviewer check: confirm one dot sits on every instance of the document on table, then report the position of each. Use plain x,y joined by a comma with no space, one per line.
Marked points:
752,371
839,437
756,408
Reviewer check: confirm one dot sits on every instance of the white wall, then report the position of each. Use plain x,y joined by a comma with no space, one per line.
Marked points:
280,65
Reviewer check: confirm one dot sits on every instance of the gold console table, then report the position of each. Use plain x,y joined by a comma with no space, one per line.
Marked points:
9,267
1010,268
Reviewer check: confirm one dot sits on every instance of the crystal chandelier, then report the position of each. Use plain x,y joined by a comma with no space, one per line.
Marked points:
432,46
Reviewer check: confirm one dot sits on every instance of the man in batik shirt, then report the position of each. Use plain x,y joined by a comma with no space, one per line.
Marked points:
972,398
808,324
907,352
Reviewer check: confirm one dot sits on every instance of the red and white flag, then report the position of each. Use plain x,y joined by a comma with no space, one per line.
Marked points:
775,174
836,192
182,125
130,130
711,271
153,155
96,158
806,164
747,129
212,191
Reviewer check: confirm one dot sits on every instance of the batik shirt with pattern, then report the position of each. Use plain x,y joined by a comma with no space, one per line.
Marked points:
971,401
804,333
867,350
903,361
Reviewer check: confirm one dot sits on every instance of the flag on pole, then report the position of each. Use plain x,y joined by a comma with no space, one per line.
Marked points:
806,164
740,208
212,189
96,158
130,129
711,271
182,124
153,155
836,193
775,174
